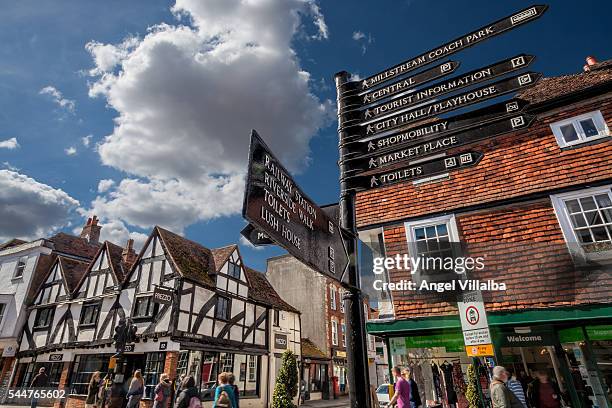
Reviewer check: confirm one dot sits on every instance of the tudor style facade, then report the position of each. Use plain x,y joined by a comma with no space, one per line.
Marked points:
223,317
539,207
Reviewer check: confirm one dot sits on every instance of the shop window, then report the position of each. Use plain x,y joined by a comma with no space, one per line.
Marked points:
222,311
233,270
334,332
145,308
332,297
154,367
43,318
585,218
580,129
20,268
84,366
89,314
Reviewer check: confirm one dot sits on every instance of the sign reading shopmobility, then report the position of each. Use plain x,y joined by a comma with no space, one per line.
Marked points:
429,146
421,170
410,82
274,204
432,109
461,43
436,90
255,236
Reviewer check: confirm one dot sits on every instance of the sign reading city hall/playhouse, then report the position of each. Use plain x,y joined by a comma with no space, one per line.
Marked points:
275,205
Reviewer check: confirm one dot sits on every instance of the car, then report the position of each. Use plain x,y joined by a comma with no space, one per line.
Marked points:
382,393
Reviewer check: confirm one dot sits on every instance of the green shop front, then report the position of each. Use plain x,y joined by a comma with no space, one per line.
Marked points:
574,346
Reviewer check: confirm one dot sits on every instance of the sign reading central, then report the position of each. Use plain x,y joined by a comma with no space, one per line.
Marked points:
275,205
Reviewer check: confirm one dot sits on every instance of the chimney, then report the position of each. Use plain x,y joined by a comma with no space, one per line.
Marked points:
128,254
590,60
91,231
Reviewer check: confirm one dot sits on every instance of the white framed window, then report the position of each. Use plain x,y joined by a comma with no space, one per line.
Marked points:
580,129
334,330
2,311
585,218
343,329
21,265
252,368
332,298
341,300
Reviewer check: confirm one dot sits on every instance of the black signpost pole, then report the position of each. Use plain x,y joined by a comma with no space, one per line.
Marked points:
356,345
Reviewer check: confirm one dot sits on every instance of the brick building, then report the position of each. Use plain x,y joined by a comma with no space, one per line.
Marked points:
538,207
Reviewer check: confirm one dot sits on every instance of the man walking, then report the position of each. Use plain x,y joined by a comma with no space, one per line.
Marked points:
516,388
41,380
501,397
401,397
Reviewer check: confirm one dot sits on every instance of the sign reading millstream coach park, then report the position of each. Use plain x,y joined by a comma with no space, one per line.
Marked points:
447,86
275,205
412,151
414,171
461,43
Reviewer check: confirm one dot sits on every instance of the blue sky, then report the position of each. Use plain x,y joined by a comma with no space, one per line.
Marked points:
163,138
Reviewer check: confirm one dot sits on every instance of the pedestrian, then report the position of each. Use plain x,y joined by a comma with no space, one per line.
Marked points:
162,392
189,397
415,397
105,384
516,388
501,397
136,390
116,394
224,393
401,397
40,380
543,393
92,391
231,380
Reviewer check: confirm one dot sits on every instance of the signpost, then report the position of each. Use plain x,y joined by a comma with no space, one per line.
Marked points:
474,324
255,236
275,205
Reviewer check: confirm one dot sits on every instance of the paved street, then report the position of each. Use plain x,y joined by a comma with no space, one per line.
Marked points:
342,402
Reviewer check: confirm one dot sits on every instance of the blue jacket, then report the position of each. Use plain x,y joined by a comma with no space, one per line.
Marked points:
230,392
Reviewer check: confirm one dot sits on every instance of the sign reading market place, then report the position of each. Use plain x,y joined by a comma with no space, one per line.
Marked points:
447,86
484,33
414,171
412,151
275,205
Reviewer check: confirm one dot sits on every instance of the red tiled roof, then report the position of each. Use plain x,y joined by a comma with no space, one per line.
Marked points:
261,291
73,271
118,266
72,245
220,255
310,350
38,276
13,242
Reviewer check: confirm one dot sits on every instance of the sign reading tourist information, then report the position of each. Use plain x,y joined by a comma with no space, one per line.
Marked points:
461,43
413,172
474,322
256,237
432,109
274,204
447,86
429,146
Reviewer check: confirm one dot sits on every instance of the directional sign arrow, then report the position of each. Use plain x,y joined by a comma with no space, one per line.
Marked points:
413,172
477,95
256,237
447,86
409,83
275,205
358,145
461,43
412,151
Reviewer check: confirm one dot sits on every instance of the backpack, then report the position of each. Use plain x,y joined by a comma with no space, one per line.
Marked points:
224,400
195,402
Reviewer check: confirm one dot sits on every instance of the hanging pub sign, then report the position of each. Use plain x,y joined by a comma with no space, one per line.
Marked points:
359,145
275,205
162,295
255,236
413,151
459,44
409,83
414,171
432,109
436,90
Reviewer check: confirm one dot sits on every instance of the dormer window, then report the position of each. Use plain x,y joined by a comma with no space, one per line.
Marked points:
21,265
233,270
580,129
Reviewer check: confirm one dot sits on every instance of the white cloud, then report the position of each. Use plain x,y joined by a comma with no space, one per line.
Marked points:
86,140
358,35
29,209
319,22
58,98
70,151
9,166
9,143
187,98
105,185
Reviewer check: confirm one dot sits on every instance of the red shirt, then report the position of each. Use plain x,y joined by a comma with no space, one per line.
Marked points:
547,396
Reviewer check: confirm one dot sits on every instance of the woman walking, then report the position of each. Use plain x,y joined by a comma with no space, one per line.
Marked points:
189,396
92,391
162,392
136,390
224,393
